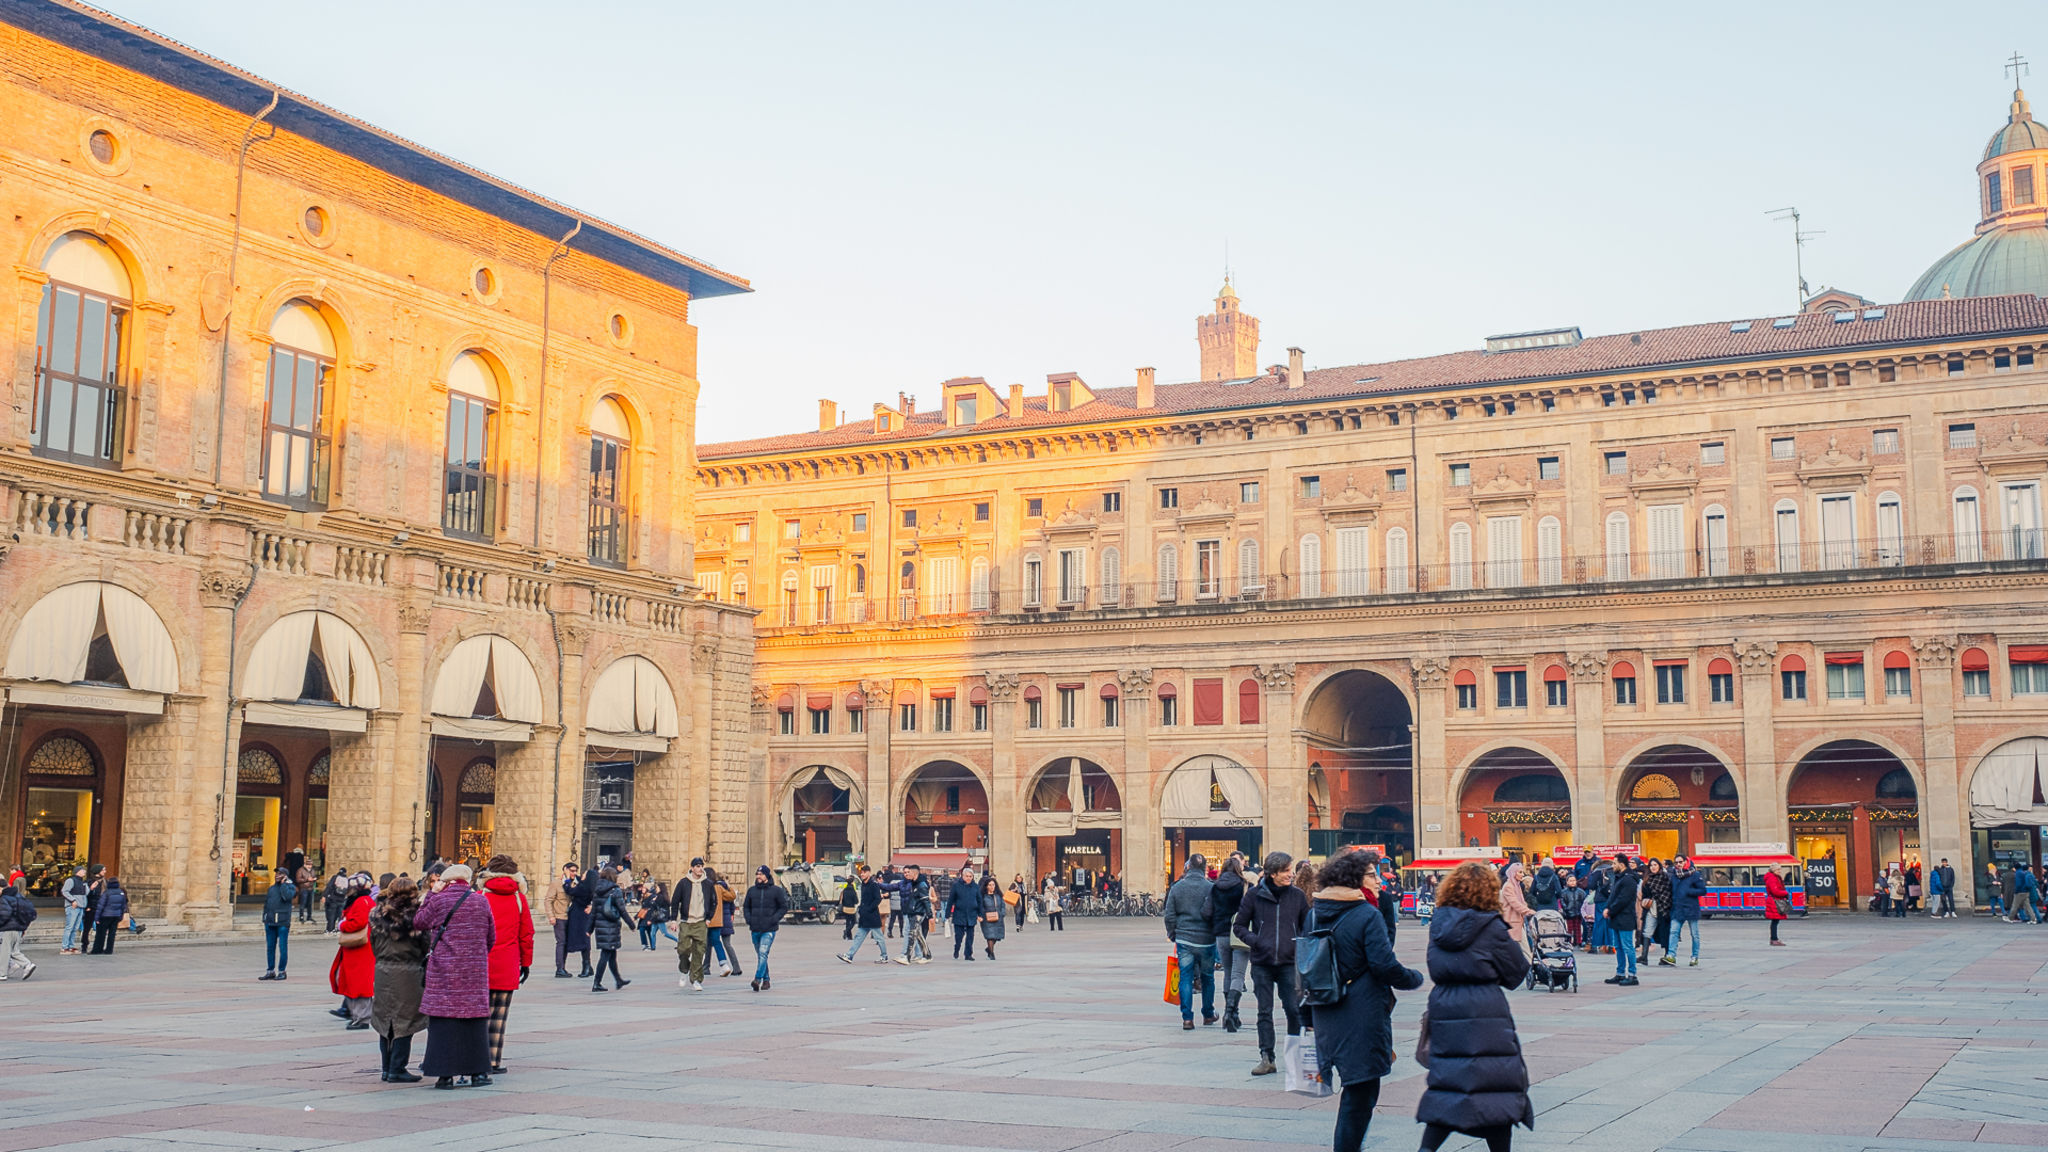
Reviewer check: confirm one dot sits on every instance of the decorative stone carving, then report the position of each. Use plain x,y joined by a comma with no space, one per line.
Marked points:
874,694
1276,677
1586,666
574,636
2016,453
1430,671
706,648
763,696
1502,492
1133,681
1835,466
1756,656
1664,476
1935,651
223,587
414,618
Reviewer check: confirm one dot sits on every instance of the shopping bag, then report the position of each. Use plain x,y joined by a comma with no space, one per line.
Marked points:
1304,1076
1172,995
1031,913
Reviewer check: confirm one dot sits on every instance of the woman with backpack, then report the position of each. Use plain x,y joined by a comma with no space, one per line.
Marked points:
1477,1084
1349,978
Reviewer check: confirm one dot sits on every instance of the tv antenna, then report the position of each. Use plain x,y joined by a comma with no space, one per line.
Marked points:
1799,239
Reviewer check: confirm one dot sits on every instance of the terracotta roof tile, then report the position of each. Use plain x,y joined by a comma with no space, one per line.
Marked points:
1651,350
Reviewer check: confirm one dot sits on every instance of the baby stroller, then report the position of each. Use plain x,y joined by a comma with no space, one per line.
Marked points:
1552,963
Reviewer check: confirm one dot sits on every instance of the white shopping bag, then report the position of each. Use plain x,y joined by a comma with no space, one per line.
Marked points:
1303,1076
1031,912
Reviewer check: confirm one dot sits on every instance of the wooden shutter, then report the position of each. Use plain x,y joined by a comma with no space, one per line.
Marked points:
1461,556
1667,541
1311,565
1352,561
1549,551
1503,551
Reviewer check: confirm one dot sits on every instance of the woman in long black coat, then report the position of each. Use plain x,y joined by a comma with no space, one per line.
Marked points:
576,933
1478,1083
607,927
1355,1035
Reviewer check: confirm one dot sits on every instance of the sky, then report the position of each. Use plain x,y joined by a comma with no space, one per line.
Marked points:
924,191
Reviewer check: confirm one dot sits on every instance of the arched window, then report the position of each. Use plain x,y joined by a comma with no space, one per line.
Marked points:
1112,578
860,579
1461,556
81,331
1398,574
611,441
1969,526
1311,565
297,448
1617,546
1250,582
469,504
1169,571
1248,702
1891,530
1549,551
1785,521
977,585
1714,537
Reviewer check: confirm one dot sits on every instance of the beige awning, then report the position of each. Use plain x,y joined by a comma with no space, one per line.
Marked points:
89,697
625,741
1190,796
277,664
317,717
497,660
474,728
632,697
55,637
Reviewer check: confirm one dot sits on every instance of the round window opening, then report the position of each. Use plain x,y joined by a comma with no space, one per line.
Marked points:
102,145
316,222
619,328
485,281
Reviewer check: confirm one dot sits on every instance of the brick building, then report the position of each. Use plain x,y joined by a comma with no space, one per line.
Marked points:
347,488
1774,579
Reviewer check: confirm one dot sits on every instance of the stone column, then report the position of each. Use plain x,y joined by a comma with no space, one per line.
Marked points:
1008,845
682,780
1763,815
175,812
1431,772
1945,795
356,838
696,814
1140,838
878,702
1286,763
1595,819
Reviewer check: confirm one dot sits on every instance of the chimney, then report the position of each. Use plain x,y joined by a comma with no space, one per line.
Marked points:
1016,401
1145,387
906,403
828,415
1296,377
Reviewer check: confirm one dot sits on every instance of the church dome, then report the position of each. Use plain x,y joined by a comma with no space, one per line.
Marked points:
2001,262
2020,134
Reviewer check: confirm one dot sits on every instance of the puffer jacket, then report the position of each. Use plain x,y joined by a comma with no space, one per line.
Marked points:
1476,1075
113,903
277,903
1686,889
1224,897
607,914
764,906
1621,901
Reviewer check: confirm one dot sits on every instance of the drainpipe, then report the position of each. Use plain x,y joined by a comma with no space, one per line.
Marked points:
220,407
547,270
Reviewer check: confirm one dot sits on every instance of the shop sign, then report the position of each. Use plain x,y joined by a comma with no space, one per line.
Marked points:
238,855
1758,848
1597,851
1211,822
1820,877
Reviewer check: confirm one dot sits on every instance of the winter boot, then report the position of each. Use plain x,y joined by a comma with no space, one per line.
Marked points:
1265,1066
1231,1023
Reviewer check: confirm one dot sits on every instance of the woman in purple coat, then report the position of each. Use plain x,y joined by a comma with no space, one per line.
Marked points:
457,1003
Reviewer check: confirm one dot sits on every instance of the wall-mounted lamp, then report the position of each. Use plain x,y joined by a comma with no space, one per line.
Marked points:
401,538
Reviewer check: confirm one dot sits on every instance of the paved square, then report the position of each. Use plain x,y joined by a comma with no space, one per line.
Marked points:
1864,1034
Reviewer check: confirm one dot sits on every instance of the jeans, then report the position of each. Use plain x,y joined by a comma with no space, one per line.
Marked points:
1678,928
691,950
1625,952
1948,905
1899,909
763,941
895,922
718,949
277,944
914,946
607,958
74,926
1354,1114
863,935
1265,978
305,903
1236,962
1197,965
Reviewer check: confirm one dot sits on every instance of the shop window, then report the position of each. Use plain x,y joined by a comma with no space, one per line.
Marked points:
1792,678
1556,690
1976,674
1511,688
1845,676
1671,683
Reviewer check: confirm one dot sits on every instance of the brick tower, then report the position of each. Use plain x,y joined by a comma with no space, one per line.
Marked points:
1229,339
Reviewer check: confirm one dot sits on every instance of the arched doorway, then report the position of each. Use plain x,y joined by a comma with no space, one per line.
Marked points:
1675,797
2008,807
945,806
259,820
1518,799
1359,742
1853,809
822,820
1074,816
62,818
1211,806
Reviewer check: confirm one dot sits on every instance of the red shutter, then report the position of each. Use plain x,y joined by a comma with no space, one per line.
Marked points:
1512,668
1031,692
1248,702
1792,663
977,696
855,701
1208,702
1623,670
1975,660
1670,663
1841,658
1167,692
785,703
1720,667
1897,660
1464,677
1554,674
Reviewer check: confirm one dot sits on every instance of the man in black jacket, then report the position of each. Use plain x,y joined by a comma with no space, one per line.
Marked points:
1621,917
16,914
694,905
1268,920
963,907
868,919
763,908
914,894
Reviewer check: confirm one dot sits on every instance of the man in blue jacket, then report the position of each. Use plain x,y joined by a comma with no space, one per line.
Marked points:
963,908
1686,889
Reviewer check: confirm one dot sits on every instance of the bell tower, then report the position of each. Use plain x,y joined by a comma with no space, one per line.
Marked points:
1229,339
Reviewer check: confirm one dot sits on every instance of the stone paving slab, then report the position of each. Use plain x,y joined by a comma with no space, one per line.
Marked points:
1863,1035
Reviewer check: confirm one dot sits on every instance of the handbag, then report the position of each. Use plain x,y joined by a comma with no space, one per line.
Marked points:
440,932
1422,1041
1783,905
1304,1073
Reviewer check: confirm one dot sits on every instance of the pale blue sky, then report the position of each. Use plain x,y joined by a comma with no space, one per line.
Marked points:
935,190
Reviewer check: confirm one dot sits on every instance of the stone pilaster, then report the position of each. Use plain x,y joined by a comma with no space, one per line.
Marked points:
356,838
174,814
526,798
412,737
1763,817
884,818
1944,799
1286,771
1595,819
1432,770
1009,847
1141,839
737,753
565,755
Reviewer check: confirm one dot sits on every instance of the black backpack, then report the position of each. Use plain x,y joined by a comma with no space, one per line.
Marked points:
1315,961
1544,890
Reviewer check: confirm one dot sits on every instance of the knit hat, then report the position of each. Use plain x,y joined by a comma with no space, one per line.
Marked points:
455,872
763,871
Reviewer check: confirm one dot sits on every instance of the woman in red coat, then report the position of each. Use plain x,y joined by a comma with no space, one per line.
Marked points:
512,951
353,976
1777,903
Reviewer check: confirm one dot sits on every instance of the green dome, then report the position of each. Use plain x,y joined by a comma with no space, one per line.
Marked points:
2018,136
2001,262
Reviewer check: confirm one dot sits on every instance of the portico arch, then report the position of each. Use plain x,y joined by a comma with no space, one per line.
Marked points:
1517,797
1857,802
1210,805
1675,795
944,804
1073,816
1358,728
822,815
2008,807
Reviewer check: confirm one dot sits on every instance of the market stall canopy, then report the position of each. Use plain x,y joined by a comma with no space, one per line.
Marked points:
1210,790
55,640
486,690
2004,787
632,707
